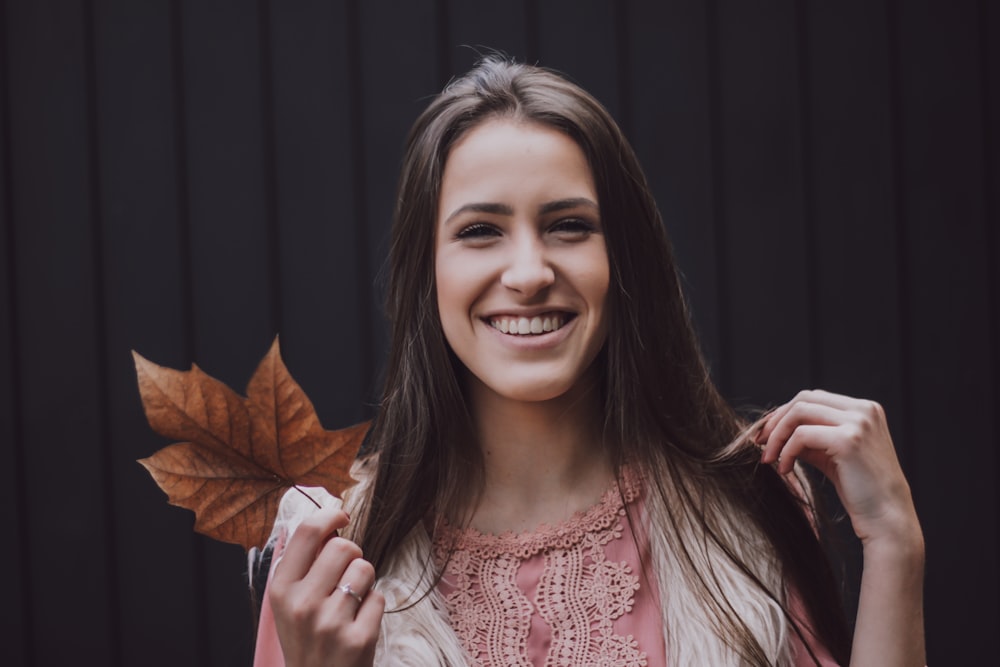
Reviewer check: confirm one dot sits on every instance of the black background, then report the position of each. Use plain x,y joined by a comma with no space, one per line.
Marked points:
189,179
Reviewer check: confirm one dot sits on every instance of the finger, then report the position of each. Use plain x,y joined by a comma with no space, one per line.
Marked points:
830,398
370,612
806,443
798,414
355,636
757,428
352,590
818,396
306,542
769,420
327,570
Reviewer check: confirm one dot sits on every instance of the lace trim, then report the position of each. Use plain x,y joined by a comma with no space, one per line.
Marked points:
579,595
500,614
562,536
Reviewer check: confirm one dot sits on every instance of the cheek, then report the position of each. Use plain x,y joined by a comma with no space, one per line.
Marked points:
597,282
597,286
604,315
444,278
453,295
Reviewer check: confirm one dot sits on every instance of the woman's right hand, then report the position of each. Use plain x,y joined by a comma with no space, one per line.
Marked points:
318,619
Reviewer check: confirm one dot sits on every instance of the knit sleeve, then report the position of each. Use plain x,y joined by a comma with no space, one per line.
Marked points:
267,650
295,506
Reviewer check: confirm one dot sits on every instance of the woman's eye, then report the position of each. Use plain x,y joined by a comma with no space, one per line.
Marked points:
477,232
573,228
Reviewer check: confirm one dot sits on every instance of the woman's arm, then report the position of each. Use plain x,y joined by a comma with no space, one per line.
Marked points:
848,440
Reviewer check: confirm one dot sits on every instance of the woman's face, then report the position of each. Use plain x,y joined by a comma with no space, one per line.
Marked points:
521,266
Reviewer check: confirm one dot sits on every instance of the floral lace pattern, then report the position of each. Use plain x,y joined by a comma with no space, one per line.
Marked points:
579,595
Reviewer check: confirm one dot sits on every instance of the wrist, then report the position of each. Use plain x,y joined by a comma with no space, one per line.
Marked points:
893,528
903,545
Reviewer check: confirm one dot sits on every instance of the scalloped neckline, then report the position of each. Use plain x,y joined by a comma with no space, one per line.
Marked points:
562,535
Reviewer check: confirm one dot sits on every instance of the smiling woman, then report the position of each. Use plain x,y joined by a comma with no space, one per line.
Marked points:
552,477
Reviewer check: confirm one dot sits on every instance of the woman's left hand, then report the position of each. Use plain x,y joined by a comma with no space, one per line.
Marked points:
847,439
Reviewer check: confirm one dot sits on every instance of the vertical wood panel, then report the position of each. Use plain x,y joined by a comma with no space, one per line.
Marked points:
989,49
579,39
60,391
477,28
228,185
144,296
231,245
947,275
15,614
400,74
856,329
766,333
670,116
851,205
317,215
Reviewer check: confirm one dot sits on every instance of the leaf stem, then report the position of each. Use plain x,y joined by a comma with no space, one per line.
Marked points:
311,499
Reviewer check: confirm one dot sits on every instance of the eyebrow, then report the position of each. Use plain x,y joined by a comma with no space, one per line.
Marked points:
493,209
563,204
503,209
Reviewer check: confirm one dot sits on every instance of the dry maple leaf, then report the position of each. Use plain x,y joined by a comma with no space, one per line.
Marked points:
239,456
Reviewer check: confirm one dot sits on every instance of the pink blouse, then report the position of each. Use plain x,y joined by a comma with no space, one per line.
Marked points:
572,594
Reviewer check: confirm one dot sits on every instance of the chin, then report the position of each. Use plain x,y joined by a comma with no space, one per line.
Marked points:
534,394
533,390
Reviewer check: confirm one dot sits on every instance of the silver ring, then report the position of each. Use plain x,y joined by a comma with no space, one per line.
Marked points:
347,590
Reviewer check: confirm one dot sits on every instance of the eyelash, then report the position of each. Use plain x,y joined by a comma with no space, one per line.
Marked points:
477,230
575,226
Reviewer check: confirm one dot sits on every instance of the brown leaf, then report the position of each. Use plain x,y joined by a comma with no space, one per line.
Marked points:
239,456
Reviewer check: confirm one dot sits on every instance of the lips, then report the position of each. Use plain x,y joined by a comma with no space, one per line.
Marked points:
543,323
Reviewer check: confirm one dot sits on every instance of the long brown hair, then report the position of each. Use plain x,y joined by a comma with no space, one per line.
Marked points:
663,413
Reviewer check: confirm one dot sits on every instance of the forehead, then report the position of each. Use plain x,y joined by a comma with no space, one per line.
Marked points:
505,159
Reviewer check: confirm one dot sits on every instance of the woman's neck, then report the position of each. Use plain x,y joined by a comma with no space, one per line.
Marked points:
543,460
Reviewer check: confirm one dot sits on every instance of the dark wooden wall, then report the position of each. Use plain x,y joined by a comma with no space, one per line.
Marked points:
189,178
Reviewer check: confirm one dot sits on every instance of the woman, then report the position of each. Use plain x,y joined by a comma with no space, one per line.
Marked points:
552,477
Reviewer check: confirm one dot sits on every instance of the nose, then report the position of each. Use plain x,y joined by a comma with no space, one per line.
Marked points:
528,270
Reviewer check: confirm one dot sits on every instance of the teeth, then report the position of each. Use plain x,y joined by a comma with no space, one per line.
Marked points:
524,326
